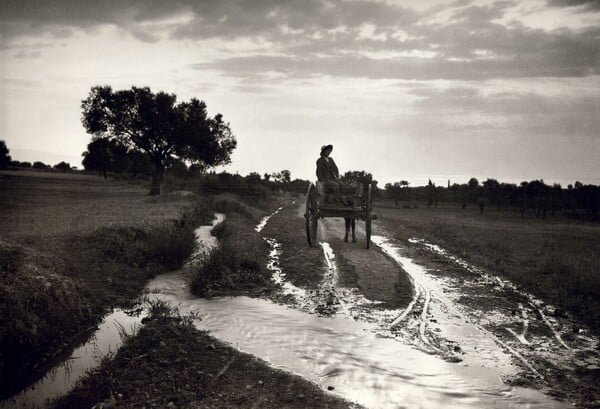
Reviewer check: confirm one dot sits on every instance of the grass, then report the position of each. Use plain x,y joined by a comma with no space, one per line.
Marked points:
303,265
558,260
72,247
238,265
38,206
171,364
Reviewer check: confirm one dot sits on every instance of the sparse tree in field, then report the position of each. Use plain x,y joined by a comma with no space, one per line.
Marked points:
492,191
393,191
253,178
158,126
5,158
40,165
63,166
354,177
97,157
286,178
431,194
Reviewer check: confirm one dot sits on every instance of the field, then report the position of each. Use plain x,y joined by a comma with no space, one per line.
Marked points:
71,247
557,259
35,206
74,246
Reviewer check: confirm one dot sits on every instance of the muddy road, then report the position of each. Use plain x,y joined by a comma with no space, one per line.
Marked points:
505,347
404,324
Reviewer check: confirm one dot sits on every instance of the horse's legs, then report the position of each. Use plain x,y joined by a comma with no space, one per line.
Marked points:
350,223
347,224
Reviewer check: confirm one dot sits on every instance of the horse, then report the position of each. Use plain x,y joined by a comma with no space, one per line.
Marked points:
350,222
332,195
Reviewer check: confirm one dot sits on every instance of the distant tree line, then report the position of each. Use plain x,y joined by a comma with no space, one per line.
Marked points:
533,197
6,162
252,185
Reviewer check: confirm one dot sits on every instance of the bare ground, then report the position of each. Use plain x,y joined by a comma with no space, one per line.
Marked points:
555,351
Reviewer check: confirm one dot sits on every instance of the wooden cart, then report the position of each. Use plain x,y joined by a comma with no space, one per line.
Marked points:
361,208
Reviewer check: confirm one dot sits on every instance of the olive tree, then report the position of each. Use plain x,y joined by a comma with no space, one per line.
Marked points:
155,124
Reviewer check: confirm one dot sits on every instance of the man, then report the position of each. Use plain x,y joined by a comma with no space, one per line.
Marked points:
329,175
327,171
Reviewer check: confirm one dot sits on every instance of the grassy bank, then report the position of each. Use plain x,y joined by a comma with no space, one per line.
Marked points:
557,260
73,247
171,364
238,265
303,265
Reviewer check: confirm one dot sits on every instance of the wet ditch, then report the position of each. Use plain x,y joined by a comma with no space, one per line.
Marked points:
337,338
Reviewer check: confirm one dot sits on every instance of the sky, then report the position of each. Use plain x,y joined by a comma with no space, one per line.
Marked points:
445,90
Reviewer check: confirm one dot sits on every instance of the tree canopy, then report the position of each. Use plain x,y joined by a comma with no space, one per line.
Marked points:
4,156
155,124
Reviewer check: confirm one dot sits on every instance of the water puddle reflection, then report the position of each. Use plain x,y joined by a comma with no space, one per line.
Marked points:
361,362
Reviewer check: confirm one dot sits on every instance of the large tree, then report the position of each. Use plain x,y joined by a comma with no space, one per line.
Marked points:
97,157
154,123
5,158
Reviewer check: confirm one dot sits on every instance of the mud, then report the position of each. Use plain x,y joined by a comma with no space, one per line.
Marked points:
555,352
448,344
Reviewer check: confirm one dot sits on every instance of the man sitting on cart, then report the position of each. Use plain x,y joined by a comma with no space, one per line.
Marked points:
329,176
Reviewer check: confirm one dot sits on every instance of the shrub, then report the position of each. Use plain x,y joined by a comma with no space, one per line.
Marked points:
170,247
228,203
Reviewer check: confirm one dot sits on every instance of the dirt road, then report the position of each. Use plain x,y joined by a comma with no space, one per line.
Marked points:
420,295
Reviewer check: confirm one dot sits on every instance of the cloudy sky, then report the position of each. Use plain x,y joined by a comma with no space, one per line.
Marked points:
443,90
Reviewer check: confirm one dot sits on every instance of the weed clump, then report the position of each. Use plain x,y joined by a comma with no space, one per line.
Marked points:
231,204
237,265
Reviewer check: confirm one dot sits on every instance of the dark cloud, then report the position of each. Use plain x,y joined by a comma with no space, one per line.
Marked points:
585,5
406,68
334,37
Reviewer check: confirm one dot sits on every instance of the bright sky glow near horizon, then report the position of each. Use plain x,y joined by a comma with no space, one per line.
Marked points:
446,90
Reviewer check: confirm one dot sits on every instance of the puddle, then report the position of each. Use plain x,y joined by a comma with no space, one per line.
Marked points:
378,369
531,322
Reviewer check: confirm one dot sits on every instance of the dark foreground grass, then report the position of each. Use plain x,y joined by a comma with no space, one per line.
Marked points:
47,300
171,364
57,281
557,260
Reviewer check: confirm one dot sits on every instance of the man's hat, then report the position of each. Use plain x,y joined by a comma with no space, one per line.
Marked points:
325,147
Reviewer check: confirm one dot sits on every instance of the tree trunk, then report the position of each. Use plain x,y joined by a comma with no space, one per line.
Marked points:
157,177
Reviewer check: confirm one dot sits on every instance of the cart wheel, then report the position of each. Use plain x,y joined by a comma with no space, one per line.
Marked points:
369,207
311,215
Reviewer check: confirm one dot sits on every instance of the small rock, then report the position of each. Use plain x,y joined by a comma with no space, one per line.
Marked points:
248,387
163,344
300,396
456,348
330,388
120,395
261,383
171,404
